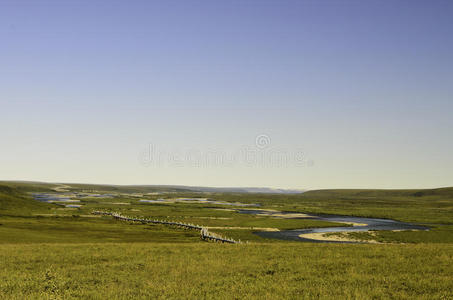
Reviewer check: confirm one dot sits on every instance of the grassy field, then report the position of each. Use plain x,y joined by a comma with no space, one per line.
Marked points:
200,271
48,251
86,230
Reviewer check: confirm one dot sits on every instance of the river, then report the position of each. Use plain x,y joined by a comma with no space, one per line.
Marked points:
359,224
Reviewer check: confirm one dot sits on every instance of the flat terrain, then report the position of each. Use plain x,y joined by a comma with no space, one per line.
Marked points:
50,249
203,270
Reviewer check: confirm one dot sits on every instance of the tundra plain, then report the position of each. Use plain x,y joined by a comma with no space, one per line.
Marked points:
54,247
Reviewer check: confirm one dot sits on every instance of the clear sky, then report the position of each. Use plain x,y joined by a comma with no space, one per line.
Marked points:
354,94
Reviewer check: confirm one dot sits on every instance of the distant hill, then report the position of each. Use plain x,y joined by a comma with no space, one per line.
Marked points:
41,186
240,190
371,193
28,186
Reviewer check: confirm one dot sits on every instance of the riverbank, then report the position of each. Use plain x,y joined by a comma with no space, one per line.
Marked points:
332,234
335,237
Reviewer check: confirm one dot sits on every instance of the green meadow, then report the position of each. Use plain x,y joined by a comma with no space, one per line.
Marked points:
50,251
203,270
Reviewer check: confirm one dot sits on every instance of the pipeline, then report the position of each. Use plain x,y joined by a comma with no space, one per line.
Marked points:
204,232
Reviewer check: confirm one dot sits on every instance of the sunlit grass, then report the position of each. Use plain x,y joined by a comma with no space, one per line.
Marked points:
203,270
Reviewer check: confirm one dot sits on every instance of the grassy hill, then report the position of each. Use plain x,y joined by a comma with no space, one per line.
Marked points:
15,200
44,187
372,193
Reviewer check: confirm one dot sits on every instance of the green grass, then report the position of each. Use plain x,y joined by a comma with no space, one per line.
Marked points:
14,201
438,234
206,271
87,230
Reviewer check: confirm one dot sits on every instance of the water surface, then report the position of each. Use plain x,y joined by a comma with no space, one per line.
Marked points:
361,224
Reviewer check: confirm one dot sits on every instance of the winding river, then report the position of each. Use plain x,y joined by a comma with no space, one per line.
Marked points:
359,224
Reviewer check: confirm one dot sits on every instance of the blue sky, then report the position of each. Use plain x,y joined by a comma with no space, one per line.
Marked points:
363,90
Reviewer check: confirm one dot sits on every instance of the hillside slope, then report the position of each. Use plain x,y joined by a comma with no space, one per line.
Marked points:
15,200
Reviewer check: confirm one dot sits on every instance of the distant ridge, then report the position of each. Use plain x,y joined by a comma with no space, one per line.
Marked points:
169,188
36,186
263,190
